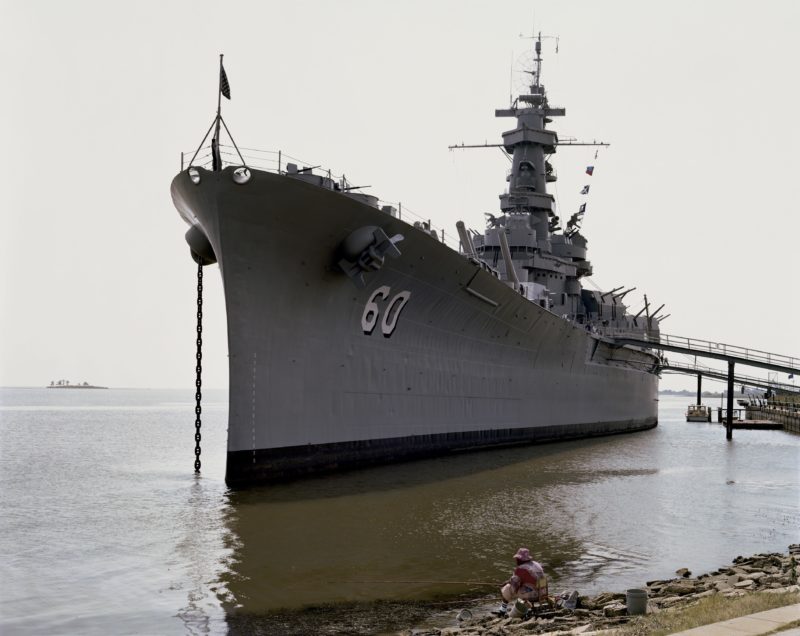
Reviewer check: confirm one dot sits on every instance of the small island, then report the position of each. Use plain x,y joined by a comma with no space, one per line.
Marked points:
66,384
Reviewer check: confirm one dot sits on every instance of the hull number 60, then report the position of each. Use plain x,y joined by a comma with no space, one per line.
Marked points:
391,312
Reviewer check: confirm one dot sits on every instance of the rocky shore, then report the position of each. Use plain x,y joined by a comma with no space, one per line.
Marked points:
760,573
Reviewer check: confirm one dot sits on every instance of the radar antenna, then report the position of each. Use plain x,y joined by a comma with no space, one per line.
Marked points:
537,49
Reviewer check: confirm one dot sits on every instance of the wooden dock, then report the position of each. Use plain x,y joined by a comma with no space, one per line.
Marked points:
788,416
740,421
762,425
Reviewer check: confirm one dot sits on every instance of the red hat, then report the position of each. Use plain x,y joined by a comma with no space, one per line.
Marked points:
523,555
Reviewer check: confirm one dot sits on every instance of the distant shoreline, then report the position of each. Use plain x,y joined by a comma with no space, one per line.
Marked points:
688,393
75,386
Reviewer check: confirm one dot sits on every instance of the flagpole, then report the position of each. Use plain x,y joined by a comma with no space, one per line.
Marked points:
219,93
215,141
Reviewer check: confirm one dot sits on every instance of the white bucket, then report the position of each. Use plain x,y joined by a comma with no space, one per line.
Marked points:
520,609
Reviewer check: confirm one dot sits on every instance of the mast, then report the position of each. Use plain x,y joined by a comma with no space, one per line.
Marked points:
544,261
529,145
526,244
224,90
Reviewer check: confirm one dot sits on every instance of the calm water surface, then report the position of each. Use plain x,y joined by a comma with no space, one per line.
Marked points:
105,529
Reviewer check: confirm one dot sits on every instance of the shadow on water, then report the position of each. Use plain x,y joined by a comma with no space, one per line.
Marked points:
416,473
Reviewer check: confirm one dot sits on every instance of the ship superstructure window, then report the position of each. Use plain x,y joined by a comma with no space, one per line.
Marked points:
527,176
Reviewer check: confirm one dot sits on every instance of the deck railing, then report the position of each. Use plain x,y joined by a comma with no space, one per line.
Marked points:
275,161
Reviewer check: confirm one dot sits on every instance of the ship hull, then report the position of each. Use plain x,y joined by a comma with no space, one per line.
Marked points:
432,355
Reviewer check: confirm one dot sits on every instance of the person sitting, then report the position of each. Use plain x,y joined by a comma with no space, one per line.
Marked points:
524,582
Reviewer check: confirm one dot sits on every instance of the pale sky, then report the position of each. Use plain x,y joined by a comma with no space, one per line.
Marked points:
694,203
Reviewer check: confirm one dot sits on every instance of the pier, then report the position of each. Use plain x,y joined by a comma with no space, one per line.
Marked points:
732,354
786,415
742,419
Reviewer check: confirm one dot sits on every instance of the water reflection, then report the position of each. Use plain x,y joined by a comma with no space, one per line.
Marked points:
202,554
355,536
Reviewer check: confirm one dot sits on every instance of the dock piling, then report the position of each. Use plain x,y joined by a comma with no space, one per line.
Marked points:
699,388
729,418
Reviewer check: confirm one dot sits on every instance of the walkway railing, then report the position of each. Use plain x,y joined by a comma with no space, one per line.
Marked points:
720,350
721,374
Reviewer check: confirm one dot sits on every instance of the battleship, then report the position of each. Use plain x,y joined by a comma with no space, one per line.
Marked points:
356,337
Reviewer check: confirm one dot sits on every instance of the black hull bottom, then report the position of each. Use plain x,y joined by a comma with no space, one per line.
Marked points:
261,466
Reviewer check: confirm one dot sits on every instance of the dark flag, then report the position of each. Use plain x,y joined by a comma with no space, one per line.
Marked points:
582,209
589,170
224,87
585,189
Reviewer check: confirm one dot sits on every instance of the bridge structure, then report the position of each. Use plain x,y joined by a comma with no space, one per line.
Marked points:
732,354
745,380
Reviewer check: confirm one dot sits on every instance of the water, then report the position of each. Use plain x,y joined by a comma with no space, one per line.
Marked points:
105,529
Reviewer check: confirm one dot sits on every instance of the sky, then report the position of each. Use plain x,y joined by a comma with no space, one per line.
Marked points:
694,202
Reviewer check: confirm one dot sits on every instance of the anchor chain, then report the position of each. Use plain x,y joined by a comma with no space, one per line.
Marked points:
199,369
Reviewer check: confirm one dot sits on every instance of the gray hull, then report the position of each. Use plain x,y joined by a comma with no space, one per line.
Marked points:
467,362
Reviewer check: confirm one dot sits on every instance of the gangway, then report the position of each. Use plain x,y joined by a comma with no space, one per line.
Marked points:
719,374
719,351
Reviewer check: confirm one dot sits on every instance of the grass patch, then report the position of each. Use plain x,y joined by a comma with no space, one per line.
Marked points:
711,609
